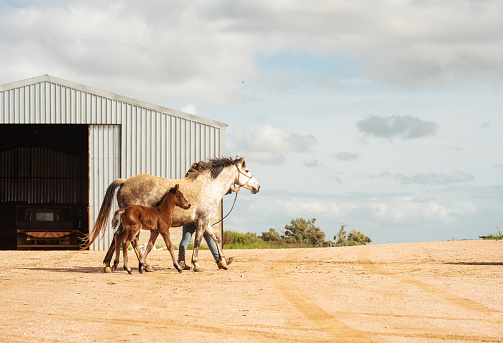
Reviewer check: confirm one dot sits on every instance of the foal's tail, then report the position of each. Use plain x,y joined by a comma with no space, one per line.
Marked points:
103,215
117,216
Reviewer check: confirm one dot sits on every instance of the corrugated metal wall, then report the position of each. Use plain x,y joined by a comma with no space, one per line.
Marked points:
104,166
58,181
126,136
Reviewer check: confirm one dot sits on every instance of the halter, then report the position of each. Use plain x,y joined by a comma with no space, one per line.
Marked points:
249,177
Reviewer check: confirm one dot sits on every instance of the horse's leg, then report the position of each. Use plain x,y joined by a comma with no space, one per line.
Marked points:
200,228
169,245
211,233
150,245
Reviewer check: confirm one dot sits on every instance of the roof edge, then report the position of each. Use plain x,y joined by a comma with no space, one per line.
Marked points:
110,95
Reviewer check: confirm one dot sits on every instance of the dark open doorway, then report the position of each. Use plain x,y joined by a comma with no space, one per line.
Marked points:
44,186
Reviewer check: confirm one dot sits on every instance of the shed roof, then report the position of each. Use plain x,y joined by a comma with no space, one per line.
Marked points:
112,96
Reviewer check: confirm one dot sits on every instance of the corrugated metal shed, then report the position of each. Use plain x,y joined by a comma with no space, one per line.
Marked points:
126,136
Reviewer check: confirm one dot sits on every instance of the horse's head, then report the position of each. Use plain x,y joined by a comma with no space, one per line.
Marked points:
180,200
245,177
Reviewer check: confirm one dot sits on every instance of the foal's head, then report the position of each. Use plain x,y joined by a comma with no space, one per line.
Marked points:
180,200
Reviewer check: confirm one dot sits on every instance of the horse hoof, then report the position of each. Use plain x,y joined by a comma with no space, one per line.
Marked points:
222,265
130,272
107,270
148,268
114,268
198,269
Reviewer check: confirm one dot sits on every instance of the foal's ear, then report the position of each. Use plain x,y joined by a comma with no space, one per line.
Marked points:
176,187
173,189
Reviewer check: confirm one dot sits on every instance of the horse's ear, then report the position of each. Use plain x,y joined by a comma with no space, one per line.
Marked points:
237,157
177,186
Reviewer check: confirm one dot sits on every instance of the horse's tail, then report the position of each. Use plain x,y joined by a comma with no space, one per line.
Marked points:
117,216
103,215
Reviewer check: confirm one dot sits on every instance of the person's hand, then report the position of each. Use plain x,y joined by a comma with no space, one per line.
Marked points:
235,189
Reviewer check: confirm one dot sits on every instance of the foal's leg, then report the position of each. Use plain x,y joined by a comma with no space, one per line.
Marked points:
147,267
150,245
133,230
125,245
118,238
118,243
169,245
136,248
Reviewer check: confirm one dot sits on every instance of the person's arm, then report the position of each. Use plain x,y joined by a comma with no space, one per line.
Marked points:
233,189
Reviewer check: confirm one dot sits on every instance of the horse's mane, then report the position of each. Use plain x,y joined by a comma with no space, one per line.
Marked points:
214,165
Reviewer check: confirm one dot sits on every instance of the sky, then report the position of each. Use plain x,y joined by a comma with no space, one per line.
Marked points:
385,116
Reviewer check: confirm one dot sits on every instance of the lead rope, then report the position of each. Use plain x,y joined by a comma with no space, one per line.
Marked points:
234,203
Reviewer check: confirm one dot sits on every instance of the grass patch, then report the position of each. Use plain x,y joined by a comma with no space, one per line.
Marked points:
493,236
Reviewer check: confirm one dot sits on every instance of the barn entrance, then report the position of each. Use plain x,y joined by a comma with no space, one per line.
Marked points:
44,186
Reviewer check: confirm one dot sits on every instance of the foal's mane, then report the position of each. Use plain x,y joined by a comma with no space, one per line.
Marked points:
214,165
164,196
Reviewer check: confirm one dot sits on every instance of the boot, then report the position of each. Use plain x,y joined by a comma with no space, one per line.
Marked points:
183,265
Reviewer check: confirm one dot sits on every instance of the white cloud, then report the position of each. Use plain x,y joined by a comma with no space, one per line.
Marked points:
407,127
498,167
268,144
431,178
346,156
189,108
312,164
413,211
205,50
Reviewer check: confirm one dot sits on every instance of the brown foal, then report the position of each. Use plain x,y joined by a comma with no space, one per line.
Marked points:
156,219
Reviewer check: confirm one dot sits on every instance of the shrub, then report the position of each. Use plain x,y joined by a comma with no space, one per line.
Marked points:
351,239
271,236
237,240
494,236
304,232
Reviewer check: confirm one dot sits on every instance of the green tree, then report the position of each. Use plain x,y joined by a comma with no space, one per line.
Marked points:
351,239
340,238
272,236
304,232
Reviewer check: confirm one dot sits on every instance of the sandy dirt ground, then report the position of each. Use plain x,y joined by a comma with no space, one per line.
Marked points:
418,292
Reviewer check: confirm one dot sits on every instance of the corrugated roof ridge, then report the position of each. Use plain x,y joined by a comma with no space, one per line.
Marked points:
110,95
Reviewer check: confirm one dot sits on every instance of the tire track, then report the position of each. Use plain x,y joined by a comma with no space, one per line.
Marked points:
323,320
365,262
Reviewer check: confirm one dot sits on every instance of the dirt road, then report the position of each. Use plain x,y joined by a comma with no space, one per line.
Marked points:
418,292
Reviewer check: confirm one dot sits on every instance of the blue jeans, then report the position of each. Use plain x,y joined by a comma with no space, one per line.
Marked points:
188,230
